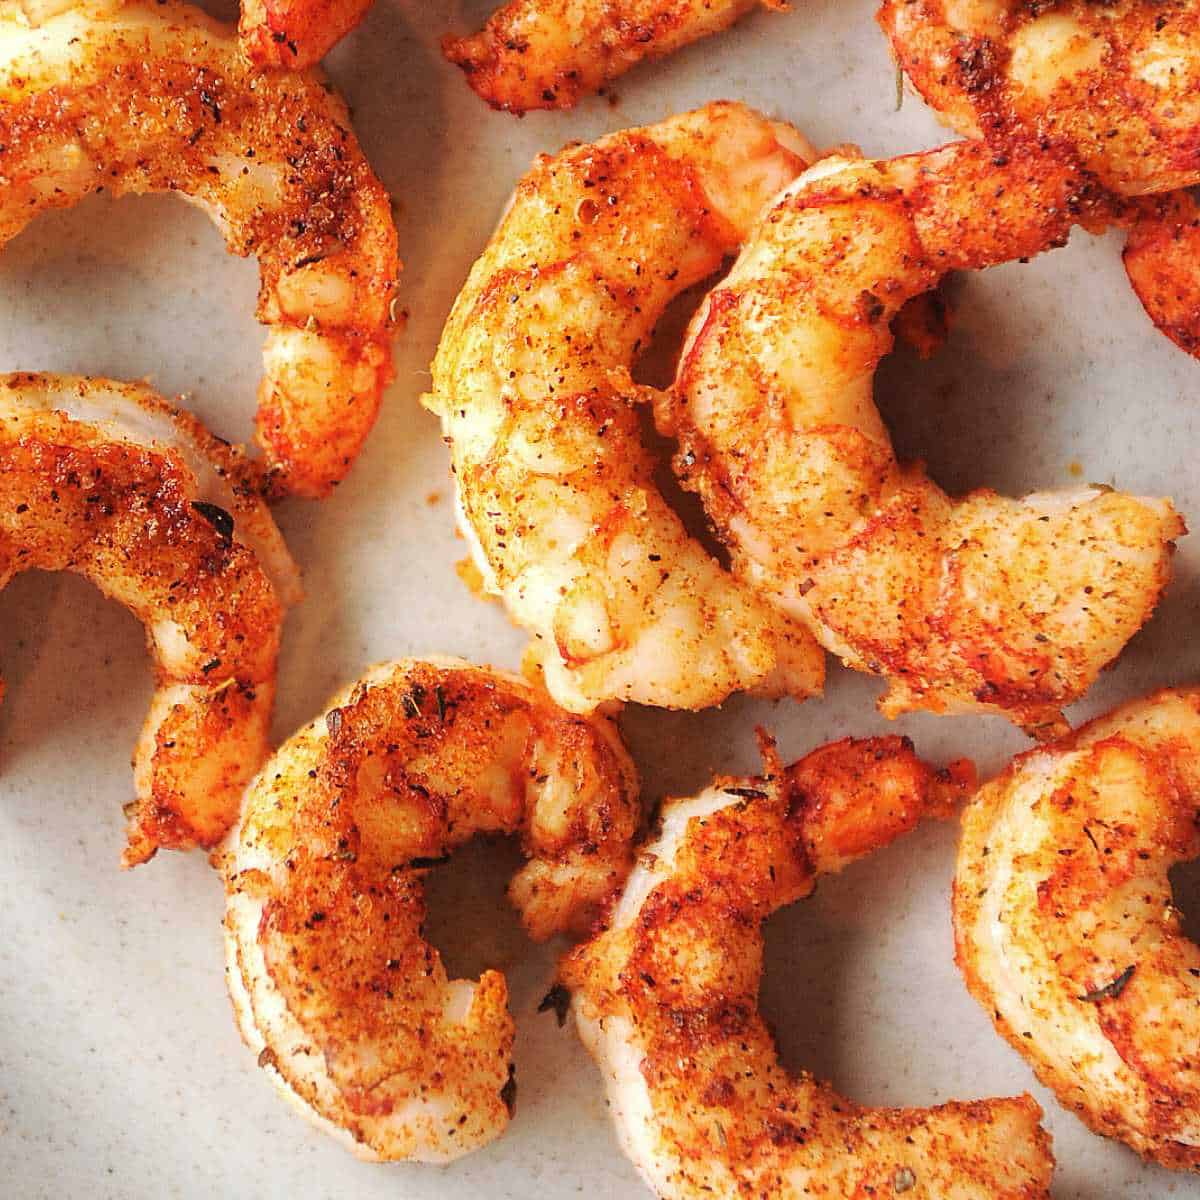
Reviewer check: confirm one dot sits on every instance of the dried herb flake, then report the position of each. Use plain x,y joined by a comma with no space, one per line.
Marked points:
746,793
217,517
1110,991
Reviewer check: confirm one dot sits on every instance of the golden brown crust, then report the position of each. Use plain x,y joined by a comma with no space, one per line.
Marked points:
154,97
1161,257
666,997
347,1001
535,54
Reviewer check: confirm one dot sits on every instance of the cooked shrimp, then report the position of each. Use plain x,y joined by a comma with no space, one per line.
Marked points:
1115,84
334,986
107,480
555,488
548,53
1064,924
665,997
987,603
151,96
296,33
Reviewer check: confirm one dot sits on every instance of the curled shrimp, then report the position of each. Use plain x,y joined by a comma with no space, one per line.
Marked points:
334,986
295,34
1065,927
134,96
555,487
665,997
1116,85
108,481
548,53
982,603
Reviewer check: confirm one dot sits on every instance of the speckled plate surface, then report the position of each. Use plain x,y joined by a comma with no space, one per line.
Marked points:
121,1073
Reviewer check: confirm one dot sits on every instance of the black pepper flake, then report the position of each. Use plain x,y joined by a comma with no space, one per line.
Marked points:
217,517
210,666
1110,991
871,306
557,1000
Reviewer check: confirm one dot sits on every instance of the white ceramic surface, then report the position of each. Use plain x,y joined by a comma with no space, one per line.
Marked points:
121,1074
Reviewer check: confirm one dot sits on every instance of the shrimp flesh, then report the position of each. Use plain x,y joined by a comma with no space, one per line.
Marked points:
1065,927
107,480
665,997
983,603
548,53
133,96
1116,85
294,34
348,1007
555,487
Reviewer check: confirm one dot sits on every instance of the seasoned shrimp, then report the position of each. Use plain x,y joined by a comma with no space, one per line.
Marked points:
555,488
1064,924
665,997
151,96
1115,84
988,603
107,480
334,986
548,53
296,33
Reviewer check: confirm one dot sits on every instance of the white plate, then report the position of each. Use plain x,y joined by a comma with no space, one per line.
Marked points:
121,1074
